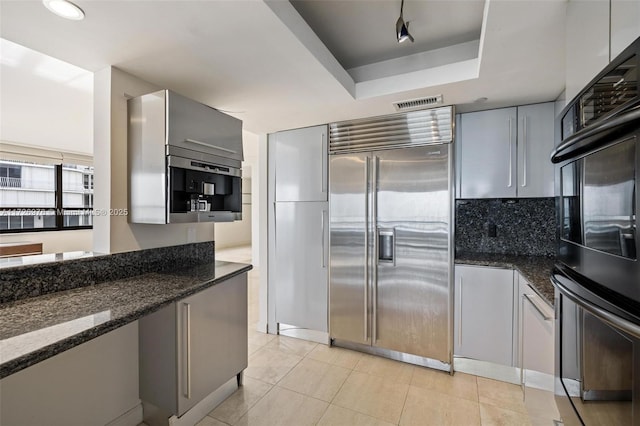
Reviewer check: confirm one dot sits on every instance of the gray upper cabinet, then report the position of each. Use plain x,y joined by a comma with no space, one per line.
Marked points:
535,143
504,153
195,126
488,154
301,164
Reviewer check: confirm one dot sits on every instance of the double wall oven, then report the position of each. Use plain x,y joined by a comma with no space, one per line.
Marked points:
597,277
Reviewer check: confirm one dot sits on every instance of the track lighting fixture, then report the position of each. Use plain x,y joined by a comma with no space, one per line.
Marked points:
402,29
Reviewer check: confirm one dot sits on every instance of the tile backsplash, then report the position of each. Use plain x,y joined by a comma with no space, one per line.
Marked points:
525,226
26,281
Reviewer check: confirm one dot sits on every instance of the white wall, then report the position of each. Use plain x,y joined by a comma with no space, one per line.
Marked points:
44,101
48,103
114,234
234,234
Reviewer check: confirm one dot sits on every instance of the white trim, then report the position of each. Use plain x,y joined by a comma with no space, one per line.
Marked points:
132,417
487,369
204,407
23,152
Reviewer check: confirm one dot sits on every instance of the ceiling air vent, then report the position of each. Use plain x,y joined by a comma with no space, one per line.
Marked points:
417,103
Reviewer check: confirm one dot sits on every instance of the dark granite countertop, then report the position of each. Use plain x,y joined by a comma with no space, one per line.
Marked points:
535,269
38,259
34,329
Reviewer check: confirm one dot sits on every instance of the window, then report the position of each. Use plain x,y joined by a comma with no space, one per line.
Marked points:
45,197
10,176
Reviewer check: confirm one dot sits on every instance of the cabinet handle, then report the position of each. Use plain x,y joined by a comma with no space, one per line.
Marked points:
510,154
522,345
524,148
460,316
374,217
324,163
187,391
197,142
367,166
324,263
537,308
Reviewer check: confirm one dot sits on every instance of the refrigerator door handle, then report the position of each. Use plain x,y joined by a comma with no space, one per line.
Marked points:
376,248
367,167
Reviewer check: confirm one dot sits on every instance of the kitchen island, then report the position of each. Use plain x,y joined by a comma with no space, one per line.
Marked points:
34,329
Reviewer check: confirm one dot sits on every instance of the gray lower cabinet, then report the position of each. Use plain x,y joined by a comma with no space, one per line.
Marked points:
536,350
193,346
484,314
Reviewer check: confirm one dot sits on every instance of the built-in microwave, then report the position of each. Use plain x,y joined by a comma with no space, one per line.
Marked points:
597,276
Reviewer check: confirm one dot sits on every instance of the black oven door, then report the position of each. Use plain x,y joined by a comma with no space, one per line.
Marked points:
597,223
597,356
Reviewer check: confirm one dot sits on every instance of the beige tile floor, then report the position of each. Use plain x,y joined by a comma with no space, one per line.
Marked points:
294,382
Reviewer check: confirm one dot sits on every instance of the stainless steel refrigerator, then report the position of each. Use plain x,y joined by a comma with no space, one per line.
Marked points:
390,261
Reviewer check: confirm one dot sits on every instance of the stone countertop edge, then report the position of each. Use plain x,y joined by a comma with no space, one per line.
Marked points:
535,269
177,285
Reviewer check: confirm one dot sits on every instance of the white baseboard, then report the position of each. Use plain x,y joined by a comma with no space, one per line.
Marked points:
304,333
132,417
261,327
204,407
538,380
487,369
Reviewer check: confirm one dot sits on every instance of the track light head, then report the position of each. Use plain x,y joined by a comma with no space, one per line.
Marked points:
402,28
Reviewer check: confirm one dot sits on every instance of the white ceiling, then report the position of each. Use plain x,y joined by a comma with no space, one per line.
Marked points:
362,32
261,62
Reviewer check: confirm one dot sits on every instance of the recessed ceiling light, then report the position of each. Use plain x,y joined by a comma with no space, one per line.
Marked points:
64,9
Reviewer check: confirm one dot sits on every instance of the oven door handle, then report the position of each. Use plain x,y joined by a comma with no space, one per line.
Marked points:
586,139
611,319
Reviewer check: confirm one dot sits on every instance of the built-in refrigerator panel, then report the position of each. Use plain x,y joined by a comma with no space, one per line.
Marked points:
301,164
350,245
302,258
412,291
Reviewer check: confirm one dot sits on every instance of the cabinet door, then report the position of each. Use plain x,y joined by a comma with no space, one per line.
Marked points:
301,164
488,154
212,338
537,357
457,144
535,143
484,314
625,24
301,264
587,43
196,126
